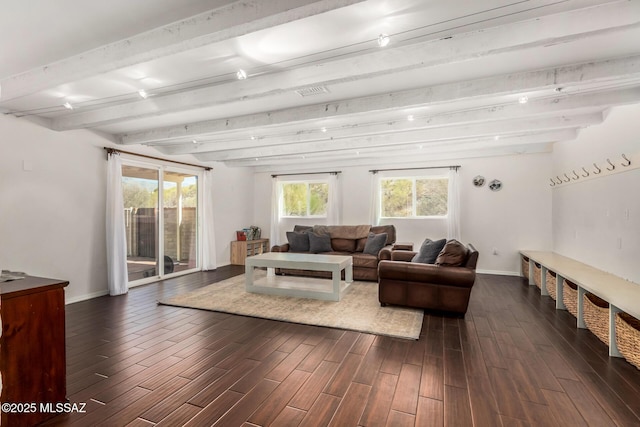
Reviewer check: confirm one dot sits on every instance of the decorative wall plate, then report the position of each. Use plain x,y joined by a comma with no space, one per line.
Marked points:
495,185
478,181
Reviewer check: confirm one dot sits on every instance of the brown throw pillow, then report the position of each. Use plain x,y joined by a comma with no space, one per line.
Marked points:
454,254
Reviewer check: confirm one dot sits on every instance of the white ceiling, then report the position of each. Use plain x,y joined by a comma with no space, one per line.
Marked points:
457,67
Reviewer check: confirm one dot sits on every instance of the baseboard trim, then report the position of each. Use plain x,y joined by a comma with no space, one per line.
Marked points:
85,297
499,272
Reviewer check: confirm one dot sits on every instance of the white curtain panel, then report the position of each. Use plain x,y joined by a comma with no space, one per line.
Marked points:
374,209
208,228
334,208
453,215
276,201
116,237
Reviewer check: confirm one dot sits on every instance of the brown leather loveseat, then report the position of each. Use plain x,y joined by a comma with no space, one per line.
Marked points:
444,286
344,240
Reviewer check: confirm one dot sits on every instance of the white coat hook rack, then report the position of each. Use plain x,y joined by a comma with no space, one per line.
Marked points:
606,167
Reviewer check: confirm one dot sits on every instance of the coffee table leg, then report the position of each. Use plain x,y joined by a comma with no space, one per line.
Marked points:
248,276
348,273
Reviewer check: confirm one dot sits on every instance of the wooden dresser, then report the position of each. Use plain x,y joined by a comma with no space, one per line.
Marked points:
32,347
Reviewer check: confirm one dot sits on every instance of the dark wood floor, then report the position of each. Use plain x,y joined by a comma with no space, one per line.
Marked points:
513,361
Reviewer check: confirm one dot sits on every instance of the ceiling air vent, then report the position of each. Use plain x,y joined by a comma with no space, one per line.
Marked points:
312,90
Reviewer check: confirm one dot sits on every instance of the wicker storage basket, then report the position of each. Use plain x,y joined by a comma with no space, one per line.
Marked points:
525,266
628,337
537,273
570,297
596,316
551,284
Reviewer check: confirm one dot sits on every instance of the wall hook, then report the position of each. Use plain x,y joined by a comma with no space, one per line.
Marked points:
612,165
568,179
553,183
559,180
585,172
599,170
577,176
628,161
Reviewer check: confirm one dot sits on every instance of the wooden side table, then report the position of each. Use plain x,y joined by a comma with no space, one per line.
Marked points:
32,347
241,249
402,246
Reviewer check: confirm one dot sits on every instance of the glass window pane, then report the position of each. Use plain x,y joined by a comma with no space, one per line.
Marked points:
319,198
295,199
180,192
140,196
431,197
396,197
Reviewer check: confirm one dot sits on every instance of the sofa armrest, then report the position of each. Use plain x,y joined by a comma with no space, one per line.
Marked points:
280,248
385,253
426,273
402,255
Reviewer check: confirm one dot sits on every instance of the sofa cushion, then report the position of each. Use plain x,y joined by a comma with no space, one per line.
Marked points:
375,242
298,241
365,260
454,254
429,251
319,243
389,229
343,245
360,244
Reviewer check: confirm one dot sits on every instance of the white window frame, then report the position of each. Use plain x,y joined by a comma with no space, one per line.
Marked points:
413,180
307,182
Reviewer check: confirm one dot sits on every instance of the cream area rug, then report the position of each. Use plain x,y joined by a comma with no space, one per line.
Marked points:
358,310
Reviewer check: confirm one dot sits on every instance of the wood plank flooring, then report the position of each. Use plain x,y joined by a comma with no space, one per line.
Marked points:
512,361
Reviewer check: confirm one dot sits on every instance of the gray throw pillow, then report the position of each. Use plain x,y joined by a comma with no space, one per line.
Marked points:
298,242
375,242
319,243
429,251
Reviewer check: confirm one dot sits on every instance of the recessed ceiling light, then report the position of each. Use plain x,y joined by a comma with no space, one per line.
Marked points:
194,141
143,94
68,106
497,137
383,40
410,117
323,129
523,99
253,137
420,146
241,74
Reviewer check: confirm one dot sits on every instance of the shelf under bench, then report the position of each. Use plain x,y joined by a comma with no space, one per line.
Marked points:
621,294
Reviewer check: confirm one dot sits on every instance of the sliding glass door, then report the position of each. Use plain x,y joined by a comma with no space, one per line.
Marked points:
160,242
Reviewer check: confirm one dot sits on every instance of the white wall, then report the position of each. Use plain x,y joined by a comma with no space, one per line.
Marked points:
590,221
517,217
52,217
52,220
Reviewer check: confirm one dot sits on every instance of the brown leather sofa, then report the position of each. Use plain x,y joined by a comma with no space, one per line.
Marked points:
441,288
347,240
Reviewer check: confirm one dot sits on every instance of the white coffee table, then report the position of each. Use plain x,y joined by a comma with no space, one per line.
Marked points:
317,262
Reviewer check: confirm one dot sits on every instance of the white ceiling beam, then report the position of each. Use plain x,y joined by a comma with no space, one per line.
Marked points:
499,85
414,136
395,158
562,104
233,20
410,150
560,28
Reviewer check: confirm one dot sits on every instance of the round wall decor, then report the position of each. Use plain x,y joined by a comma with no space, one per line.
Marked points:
495,185
478,181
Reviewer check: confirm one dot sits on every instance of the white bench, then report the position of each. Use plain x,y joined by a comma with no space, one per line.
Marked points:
621,294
